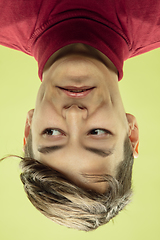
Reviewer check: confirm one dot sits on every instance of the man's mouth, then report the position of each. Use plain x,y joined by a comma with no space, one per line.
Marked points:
72,91
76,89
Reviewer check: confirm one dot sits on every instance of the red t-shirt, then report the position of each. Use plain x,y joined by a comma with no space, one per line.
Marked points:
118,28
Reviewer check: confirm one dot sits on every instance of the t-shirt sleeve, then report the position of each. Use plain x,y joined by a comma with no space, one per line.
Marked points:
143,25
17,22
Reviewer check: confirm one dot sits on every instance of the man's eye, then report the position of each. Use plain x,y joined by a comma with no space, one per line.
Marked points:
52,132
99,131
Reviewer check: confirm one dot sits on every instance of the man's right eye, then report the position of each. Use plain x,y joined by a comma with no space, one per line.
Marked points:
99,131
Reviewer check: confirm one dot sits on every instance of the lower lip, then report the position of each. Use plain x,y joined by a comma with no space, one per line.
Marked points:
77,95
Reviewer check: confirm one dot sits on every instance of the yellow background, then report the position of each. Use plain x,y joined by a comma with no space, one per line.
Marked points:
140,89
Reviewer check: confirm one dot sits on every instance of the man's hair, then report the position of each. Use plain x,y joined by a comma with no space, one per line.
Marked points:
67,204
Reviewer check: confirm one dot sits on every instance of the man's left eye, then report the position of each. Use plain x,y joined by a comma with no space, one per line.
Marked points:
52,132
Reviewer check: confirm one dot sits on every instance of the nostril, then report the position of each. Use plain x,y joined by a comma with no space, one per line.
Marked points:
66,107
76,105
81,107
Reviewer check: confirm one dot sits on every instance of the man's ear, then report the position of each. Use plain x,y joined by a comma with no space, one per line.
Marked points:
27,126
133,133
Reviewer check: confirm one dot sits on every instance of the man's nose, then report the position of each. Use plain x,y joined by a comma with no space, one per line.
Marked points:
75,112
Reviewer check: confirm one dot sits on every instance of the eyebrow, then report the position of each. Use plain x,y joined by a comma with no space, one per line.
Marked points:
99,152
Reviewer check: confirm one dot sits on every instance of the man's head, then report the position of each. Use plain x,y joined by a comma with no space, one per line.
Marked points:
80,134
79,144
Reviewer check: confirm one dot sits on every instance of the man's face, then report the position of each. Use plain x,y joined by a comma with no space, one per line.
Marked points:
79,133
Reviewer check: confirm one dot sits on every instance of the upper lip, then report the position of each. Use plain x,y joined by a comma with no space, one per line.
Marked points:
76,92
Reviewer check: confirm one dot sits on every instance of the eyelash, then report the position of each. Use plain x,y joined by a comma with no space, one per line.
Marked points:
95,129
101,129
50,129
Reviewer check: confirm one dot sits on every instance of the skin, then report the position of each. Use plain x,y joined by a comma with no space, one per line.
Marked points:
70,121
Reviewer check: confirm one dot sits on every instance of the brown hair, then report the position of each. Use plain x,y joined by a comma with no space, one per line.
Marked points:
67,204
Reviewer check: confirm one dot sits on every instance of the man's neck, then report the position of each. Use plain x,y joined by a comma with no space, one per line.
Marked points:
82,49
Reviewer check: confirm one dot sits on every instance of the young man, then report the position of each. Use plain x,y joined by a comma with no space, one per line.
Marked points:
79,127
